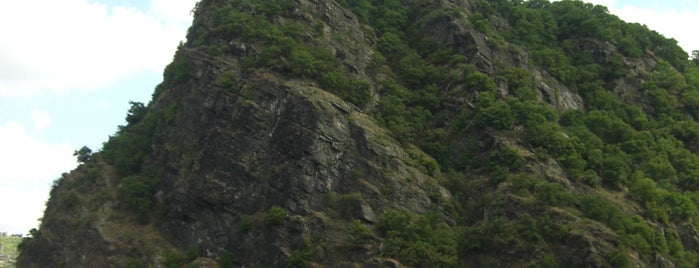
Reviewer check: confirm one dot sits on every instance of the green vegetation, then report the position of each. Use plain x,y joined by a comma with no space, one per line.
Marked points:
128,148
526,177
643,151
302,254
174,259
83,155
346,205
10,245
421,241
177,259
128,151
136,263
359,233
226,260
300,258
284,48
276,216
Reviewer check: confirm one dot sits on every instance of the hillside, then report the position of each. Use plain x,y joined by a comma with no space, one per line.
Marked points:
419,133
9,253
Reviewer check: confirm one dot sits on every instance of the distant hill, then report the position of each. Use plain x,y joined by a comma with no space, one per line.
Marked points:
9,252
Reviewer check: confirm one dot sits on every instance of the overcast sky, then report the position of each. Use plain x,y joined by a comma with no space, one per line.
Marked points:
69,68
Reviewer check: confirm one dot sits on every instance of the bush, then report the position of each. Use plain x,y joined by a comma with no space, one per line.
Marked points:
498,116
228,81
619,258
178,70
300,258
70,199
174,259
130,146
276,216
346,204
420,241
136,263
136,194
358,233
226,260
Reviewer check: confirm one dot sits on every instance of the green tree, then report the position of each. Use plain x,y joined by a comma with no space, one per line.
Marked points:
83,155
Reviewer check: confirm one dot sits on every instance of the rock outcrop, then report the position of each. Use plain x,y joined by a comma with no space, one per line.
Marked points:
227,154
278,142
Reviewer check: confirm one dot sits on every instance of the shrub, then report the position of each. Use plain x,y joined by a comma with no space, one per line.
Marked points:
619,258
420,241
136,263
245,224
178,70
300,258
358,233
227,80
276,216
128,148
549,261
226,259
174,259
136,194
346,204
498,116
70,199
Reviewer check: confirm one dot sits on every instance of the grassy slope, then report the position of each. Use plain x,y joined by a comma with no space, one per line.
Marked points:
9,246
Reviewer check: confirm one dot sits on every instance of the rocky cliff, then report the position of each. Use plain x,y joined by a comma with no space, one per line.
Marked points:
422,133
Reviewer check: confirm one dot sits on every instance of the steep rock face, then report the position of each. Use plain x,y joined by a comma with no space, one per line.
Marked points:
288,133
229,152
84,226
275,142
462,38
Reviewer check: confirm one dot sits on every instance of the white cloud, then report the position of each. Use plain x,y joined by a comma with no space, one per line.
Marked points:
671,23
61,46
41,119
66,46
27,160
28,168
607,3
674,20
175,11
24,206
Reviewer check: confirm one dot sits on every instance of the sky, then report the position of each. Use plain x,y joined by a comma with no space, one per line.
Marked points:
69,68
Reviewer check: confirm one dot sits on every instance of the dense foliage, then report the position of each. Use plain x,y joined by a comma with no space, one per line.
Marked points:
283,47
420,241
642,148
